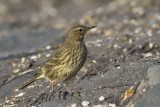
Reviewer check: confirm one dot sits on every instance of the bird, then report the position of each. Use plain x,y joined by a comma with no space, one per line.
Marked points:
66,61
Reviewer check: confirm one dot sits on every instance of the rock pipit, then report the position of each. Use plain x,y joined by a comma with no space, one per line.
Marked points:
67,60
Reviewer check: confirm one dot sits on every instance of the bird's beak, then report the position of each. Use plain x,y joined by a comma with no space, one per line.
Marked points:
89,28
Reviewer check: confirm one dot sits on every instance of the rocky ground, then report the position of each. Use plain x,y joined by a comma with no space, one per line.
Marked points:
122,68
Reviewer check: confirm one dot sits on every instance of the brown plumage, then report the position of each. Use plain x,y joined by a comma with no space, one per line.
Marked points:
66,61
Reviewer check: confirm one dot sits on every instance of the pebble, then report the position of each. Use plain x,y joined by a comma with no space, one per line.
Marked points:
138,10
48,55
96,43
23,60
29,70
13,63
108,32
16,71
85,103
48,47
19,95
144,90
118,67
34,57
147,54
151,45
30,86
15,90
94,61
7,101
100,105
149,32
39,55
137,30
116,46
112,105
74,105
101,98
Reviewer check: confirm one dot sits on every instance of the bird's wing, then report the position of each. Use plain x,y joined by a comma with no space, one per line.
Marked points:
55,59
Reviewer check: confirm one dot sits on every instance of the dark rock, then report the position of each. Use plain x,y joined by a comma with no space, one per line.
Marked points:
151,98
17,43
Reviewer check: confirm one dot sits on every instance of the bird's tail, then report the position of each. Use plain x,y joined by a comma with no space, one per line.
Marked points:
36,76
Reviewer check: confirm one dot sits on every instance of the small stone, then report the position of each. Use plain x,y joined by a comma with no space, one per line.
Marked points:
48,55
101,98
13,63
125,50
130,41
138,10
16,71
116,46
14,99
151,45
27,71
144,90
149,32
48,47
19,95
34,57
15,90
128,93
41,49
23,60
39,56
112,105
94,61
96,43
147,54
99,105
118,67
108,32
30,86
7,101
85,103
137,30
74,105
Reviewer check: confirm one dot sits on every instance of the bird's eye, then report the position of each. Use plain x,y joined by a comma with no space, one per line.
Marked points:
80,30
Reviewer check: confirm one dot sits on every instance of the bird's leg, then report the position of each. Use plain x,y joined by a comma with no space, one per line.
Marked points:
52,84
65,85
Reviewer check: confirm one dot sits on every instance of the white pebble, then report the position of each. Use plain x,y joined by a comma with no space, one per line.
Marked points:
118,67
34,57
20,94
74,105
101,98
16,71
30,86
116,46
85,103
39,55
48,55
144,90
94,61
151,45
23,60
149,32
147,54
7,101
112,105
100,105
48,47
96,43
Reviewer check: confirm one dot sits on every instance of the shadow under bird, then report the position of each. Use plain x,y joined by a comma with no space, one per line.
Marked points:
67,60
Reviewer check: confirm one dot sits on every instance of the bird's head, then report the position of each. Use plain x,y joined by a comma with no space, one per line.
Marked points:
77,33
